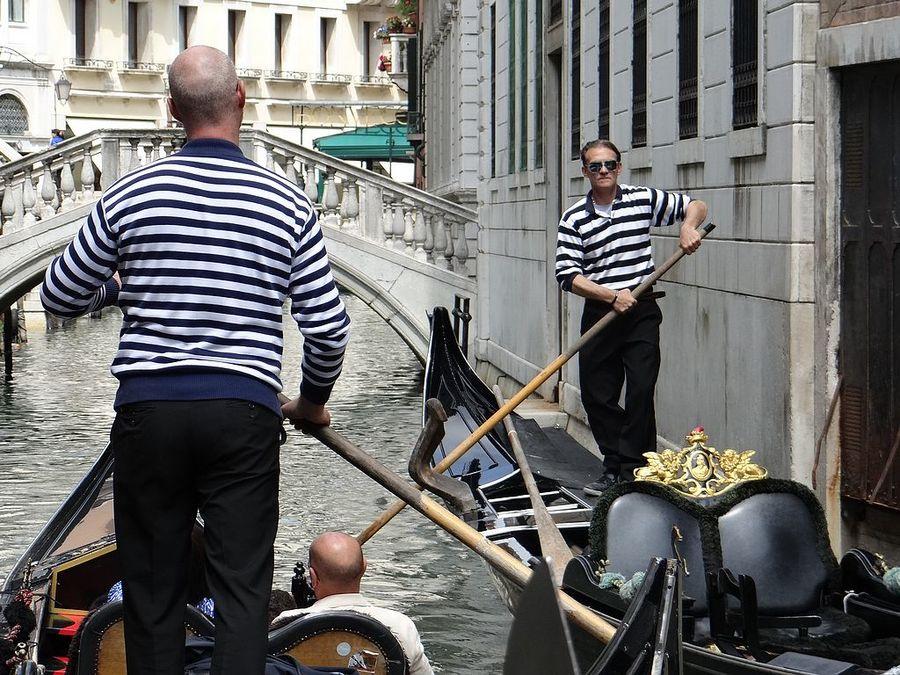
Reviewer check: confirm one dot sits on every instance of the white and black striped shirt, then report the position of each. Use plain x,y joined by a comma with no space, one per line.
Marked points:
614,250
208,245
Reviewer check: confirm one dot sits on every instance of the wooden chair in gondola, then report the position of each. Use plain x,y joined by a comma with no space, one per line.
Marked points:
101,647
340,639
759,569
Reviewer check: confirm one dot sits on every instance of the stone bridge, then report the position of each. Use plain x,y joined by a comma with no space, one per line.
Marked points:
399,249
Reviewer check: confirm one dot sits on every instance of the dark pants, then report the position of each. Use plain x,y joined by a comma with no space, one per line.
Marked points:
173,458
625,352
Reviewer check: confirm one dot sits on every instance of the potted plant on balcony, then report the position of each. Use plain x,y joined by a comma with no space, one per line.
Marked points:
407,9
384,63
409,25
394,24
382,33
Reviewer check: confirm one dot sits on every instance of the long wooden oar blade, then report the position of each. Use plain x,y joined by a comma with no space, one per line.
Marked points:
527,390
498,558
552,543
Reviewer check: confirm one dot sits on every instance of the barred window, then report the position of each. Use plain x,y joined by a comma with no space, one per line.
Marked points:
511,91
744,53
603,71
639,76
13,116
687,69
555,11
539,83
493,152
523,85
575,98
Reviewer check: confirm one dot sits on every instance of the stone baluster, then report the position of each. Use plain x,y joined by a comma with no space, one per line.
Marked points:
419,236
387,221
331,201
270,156
440,241
448,251
134,160
350,207
48,192
38,203
312,186
29,199
7,207
409,236
461,250
148,154
289,171
429,237
398,227
87,176
18,221
300,176
67,185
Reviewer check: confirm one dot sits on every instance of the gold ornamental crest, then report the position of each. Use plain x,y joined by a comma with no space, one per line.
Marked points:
699,471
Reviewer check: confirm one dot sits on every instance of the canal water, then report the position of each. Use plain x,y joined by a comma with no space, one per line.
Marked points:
55,418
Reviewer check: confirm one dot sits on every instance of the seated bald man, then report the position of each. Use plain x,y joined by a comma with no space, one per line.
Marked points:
336,567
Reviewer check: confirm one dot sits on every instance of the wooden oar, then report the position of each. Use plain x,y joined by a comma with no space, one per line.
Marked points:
498,558
552,543
527,390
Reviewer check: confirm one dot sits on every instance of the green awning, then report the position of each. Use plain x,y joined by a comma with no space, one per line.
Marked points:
382,142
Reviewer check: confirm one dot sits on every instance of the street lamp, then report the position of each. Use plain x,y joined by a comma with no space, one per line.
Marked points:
63,88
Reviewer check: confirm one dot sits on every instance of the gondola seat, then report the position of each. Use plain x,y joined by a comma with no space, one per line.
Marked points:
340,639
101,649
760,568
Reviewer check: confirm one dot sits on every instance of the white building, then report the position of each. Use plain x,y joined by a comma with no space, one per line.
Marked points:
727,101
311,68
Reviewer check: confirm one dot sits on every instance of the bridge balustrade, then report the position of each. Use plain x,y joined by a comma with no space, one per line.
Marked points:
350,199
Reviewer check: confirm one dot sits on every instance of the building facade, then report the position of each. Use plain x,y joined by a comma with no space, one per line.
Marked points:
739,104
310,68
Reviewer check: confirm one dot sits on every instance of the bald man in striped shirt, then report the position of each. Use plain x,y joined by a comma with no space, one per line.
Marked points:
200,250
603,253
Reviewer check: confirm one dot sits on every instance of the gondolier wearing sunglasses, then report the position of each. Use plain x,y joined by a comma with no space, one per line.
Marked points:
208,246
603,253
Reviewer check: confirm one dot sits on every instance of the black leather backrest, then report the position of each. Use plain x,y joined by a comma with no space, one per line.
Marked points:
772,537
639,527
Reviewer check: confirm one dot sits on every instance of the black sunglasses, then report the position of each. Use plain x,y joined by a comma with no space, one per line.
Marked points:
610,164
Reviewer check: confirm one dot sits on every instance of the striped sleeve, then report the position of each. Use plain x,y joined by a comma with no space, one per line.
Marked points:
320,314
569,254
667,207
80,280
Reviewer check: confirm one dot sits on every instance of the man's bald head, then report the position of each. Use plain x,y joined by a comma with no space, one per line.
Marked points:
338,562
203,86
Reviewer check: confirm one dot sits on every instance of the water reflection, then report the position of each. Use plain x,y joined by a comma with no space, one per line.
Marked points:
55,418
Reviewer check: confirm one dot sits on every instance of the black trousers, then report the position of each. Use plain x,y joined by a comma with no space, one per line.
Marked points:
627,352
173,458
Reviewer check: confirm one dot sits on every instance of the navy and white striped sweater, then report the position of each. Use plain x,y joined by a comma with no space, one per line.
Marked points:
614,250
208,245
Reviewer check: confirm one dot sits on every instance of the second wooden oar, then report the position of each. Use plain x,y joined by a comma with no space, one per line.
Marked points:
498,558
552,543
527,390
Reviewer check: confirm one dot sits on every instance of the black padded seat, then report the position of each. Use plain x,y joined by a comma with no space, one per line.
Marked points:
772,537
639,527
339,639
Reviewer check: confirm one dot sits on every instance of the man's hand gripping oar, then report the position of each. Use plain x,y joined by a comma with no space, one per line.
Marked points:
528,389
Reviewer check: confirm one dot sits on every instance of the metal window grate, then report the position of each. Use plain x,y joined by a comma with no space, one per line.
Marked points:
603,71
493,150
575,97
744,54
555,11
539,83
687,69
639,76
523,85
13,116
511,91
